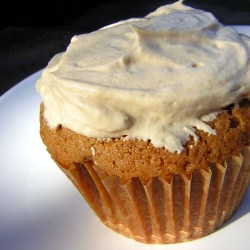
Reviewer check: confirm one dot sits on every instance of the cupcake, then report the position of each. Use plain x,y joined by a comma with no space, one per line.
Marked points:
150,119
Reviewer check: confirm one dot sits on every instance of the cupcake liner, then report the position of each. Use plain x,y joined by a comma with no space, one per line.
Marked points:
172,209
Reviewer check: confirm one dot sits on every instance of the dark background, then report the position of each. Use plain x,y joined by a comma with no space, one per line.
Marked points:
32,32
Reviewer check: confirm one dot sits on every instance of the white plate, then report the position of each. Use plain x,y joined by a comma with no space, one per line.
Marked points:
41,210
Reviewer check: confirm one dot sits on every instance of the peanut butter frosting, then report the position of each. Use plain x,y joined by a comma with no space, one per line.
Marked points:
155,78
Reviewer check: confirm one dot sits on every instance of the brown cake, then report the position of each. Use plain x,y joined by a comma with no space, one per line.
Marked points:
158,143
151,194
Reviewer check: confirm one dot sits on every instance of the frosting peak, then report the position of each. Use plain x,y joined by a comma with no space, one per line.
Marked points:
152,78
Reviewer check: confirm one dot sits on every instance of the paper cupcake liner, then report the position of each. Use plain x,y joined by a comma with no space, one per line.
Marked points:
173,209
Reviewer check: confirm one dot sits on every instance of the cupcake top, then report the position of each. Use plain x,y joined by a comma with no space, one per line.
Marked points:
156,78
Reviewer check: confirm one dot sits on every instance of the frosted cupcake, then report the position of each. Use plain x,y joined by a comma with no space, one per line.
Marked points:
150,119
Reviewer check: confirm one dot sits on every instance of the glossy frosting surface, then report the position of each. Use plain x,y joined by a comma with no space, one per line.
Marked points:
155,78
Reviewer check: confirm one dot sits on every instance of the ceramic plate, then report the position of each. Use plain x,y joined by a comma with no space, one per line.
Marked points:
41,210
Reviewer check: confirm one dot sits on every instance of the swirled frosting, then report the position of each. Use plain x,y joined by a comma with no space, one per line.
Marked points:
155,78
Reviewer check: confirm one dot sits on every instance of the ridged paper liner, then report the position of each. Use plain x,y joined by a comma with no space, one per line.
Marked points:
165,210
